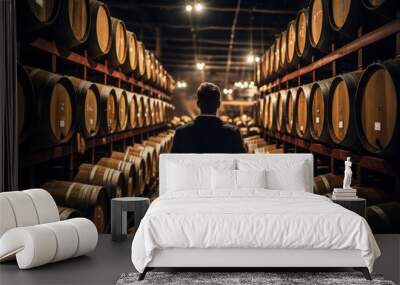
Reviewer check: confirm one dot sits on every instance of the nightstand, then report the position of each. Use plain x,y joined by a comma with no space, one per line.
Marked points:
357,205
119,210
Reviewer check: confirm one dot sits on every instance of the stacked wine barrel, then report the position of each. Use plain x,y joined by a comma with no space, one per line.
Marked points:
257,144
53,107
313,30
89,24
123,174
350,110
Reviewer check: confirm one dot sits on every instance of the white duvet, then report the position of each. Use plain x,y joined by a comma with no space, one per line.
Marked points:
253,218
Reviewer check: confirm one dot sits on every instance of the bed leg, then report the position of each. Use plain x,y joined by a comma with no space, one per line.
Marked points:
142,275
364,271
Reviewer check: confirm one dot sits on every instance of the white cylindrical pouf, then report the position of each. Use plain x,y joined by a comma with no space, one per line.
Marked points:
87,234
67,240
34,246
23,208
7,218
45,206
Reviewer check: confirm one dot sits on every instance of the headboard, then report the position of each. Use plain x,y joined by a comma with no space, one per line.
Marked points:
209,159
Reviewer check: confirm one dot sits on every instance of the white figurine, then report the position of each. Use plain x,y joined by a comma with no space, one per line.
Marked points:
347,174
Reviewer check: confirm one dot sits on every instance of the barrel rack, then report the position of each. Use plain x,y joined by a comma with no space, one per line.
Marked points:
28,160
335,154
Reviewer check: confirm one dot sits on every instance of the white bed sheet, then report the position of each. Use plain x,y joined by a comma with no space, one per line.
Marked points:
252,218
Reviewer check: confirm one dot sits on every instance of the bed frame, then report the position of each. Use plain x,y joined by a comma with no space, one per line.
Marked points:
246,258
243,259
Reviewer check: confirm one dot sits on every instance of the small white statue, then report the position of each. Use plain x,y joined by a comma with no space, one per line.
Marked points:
347,174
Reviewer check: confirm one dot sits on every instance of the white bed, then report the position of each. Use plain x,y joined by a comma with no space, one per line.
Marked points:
248,227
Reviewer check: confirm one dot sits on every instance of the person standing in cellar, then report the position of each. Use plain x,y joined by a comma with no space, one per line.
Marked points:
207,133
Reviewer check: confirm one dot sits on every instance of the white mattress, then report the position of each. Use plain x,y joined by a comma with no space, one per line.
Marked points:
252,219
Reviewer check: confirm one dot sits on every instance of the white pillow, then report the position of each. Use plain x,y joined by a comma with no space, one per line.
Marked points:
292,178
251,179
183,178
223,179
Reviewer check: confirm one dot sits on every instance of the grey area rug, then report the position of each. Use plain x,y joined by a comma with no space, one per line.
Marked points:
233,278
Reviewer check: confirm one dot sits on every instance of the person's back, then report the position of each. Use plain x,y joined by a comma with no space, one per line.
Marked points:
207,134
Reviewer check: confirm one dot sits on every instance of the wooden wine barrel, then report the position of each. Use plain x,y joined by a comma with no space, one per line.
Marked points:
257,73
304,49
123,109
108,105
141,67
157,110
140,110
90,200
319,101
283,50
72,25
152,111
146,149
111,179
267,101
68,213
131,61
26,100
32,17
345,16
272,111
146,111
132,109
267,64
324,184
119,44
342,123
56,108
291,111
99,40
303,106
378,107
280,111
384,218
164,142
148,65
292,58
272,61
147,159
265,149
277,57
140,170
261,112
158,149
153,68
88,108
127,169
320,30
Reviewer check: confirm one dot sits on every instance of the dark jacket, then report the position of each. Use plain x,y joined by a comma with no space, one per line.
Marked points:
207,134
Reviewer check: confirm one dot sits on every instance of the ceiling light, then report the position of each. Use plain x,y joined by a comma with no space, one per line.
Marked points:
250,58
189,8
200,65
198,7
257,59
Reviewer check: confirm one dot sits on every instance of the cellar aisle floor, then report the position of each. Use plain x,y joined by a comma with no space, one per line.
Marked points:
102,266
110,260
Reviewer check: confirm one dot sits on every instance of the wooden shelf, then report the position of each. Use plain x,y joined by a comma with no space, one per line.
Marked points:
83,60
367,39
40,156
377,164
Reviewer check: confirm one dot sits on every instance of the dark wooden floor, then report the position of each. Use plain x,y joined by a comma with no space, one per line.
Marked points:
103,266
106,264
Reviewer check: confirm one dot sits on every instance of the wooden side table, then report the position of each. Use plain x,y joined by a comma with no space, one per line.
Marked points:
358,205
119,209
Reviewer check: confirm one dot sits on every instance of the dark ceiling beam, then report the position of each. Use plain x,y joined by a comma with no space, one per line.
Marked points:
206,41
205,55
201,29
126,5
214,61
208,67
207,48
